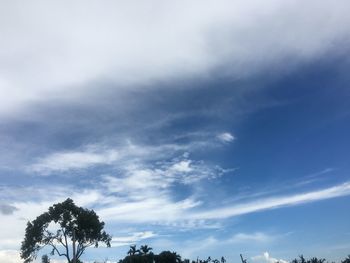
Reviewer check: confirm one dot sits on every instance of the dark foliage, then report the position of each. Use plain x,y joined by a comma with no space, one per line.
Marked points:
301,259
167,257
347,260
45,259
144,255
72,222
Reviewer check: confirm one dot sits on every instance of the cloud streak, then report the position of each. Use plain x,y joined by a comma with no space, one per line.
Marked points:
189,209
276,202
133,238
226,137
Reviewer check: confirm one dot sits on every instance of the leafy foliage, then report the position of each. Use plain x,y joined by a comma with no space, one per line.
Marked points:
75,226
168,257
144,250
311,260
144,255
346,260
141,256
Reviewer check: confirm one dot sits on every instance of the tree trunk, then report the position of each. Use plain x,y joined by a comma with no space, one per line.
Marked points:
74,249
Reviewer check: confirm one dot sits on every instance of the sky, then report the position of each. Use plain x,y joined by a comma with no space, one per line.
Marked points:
201,127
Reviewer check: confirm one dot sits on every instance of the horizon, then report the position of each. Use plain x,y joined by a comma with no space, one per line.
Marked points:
209,129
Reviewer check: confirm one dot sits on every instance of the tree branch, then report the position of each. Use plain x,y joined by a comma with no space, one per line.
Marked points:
66,246
81,248
58,252
49,238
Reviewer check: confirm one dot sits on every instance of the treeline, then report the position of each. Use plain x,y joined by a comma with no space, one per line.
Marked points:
145,255
301,259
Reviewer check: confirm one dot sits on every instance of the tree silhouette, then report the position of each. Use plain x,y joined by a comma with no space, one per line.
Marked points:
45,259
167,257
347,260
316,260
133,251
144,250
144,255
311,260
76,229
177,257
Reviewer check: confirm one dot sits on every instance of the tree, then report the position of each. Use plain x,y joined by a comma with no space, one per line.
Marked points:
167,257
316,260
142,255
144,250
133,251
347,260
311,260
75,229
45,259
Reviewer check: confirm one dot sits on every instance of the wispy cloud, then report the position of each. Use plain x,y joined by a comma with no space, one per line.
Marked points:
161,207
276,202
225,137
133,238
322,172
98,154
156,207
65,161
138,166
314,177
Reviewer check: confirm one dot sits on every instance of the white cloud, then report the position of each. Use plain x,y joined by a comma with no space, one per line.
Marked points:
65,161
156,209
275,202
133,238
120,40
139,166
182,166
322,172
226,137
10,256
266,258
99,154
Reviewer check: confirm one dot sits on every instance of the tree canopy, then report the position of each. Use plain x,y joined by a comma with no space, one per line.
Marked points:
75,229
145,255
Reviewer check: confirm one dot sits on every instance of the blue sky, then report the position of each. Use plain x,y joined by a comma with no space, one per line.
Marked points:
204,128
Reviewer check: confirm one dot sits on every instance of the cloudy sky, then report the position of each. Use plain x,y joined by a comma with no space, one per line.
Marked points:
203,127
